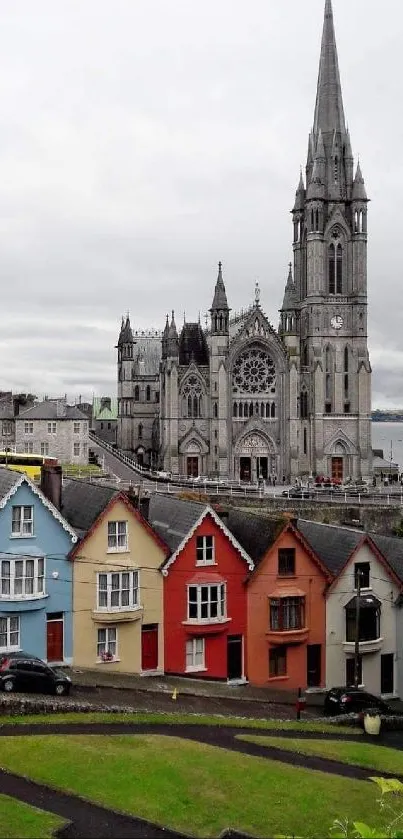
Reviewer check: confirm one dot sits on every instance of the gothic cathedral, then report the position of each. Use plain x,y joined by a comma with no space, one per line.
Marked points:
241,400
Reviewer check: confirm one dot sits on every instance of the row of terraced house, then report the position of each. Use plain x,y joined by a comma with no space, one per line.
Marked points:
91,579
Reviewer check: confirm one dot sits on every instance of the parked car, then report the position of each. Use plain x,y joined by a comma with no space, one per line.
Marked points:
297,492
344,700
22,671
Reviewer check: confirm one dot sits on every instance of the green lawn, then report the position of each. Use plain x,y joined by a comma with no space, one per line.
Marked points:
192,786
81,470
181,719
371,756
19,821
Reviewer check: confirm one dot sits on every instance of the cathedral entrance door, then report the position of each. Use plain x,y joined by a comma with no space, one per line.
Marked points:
245,468
337,469
192,467
262,468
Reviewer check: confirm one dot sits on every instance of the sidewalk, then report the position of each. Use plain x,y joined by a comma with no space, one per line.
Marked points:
191,687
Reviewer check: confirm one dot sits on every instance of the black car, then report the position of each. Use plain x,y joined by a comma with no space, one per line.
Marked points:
297,492
351,700
22,671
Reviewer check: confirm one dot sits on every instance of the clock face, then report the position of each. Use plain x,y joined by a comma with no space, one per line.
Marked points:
337,322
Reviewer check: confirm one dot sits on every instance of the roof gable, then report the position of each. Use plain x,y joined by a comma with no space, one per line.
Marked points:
333,545
121,497
23,479
368,540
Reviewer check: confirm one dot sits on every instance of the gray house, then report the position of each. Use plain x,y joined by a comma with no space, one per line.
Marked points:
53,428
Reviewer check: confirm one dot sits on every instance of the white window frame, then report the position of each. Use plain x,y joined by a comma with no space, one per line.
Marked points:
44,449
201,603
28,428
7,622
205,550
116,535
26,522
110,644
52,427
76,427
195,655
76,449
29,448
16,583
118,591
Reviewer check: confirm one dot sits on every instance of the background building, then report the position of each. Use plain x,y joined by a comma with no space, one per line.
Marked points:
55,429
242,400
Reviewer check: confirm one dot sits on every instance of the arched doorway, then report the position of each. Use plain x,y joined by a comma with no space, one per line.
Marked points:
255,458
192,456
338,462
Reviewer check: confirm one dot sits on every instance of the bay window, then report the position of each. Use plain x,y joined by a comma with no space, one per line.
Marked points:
23,577
287,613
118,590
207,602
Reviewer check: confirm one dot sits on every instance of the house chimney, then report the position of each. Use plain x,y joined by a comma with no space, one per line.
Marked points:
51,484
144,506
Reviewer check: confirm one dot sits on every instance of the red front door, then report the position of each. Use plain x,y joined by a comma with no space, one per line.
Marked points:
337,469
54,640
149,647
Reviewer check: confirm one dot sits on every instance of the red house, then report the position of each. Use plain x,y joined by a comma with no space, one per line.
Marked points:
205,607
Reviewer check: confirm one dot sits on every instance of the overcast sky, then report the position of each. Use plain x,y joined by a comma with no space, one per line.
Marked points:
141,141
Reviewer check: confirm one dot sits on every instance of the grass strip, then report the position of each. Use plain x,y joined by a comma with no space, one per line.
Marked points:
367,755
180,719
20,821
193,787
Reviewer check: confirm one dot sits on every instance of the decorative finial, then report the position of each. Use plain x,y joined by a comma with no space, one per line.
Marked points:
206,320
257,293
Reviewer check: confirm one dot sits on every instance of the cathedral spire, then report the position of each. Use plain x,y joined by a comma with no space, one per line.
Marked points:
329,111
220,295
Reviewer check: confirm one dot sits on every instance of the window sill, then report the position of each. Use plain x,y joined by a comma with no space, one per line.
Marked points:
202,564
118,550
6,598
118,616
278,678
286,576
364,646
288,636
22,536
210,627
196,670
110,661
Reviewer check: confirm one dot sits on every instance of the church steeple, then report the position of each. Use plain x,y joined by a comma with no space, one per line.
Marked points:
220,309
329,111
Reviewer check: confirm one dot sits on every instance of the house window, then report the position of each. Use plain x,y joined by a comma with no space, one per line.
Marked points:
22,577
195,654
29,427
76,428
10,633
117,535
207,603
7,428
28,448
52,427
137,394
205,550
76,449
362,570
286,562
350,671
369,624
22,523
118,590
107,644
278,661
287,613
148,393
44,448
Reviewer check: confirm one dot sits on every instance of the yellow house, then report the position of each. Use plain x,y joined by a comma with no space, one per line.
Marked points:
118,592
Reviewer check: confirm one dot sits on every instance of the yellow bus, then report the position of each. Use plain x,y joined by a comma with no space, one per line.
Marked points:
29,463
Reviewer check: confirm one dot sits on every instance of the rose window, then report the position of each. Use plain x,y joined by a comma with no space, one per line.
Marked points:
254,372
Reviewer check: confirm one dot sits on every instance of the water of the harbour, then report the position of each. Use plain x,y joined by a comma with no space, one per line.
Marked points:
389,437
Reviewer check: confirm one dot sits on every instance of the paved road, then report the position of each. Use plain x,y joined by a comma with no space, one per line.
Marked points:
119,469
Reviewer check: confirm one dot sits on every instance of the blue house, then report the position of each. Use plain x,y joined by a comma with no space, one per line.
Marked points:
36,589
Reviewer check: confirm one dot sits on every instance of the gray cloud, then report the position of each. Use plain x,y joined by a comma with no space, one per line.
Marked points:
142,142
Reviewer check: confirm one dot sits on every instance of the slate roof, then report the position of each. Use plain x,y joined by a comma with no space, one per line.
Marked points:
8,479
52,410
172,518
254,532
82,503
392,549
149,351
193,345
332,544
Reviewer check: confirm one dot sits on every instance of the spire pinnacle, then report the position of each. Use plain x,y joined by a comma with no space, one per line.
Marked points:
220,295
329,111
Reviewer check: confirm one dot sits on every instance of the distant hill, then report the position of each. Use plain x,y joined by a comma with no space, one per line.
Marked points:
387,416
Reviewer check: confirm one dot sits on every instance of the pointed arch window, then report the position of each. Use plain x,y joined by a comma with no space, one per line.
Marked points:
235,410
140,432
332,265
339,269
192,398
305,441
148,393
328,381
137,394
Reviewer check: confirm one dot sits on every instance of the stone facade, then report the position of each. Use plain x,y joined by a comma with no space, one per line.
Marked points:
53,429
245,401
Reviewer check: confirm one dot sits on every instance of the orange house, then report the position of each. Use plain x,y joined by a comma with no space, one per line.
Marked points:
287,615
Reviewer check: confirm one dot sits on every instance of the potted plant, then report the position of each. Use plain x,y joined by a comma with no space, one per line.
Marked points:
372,721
